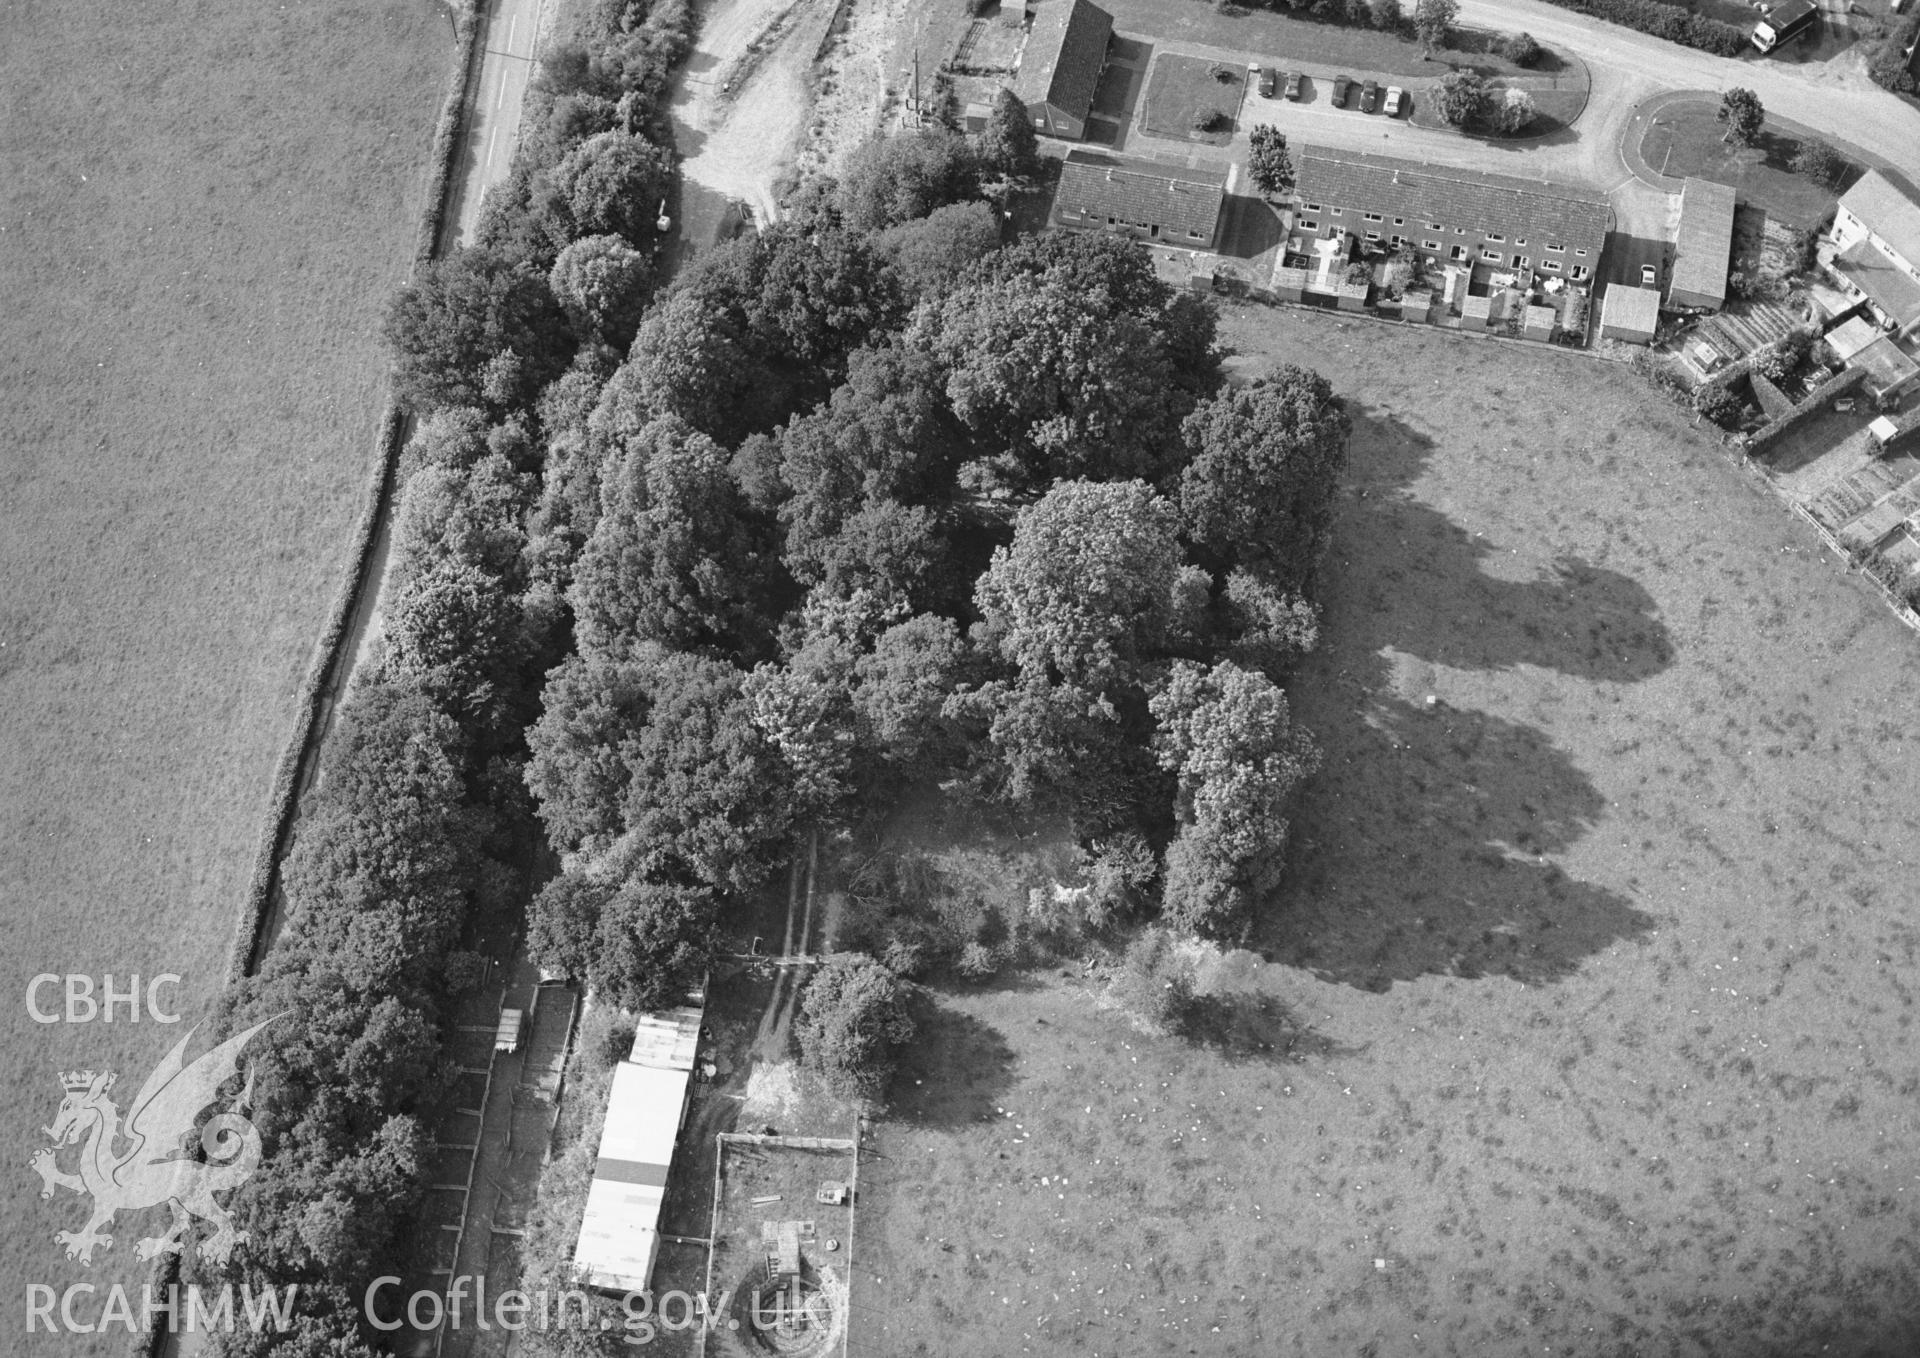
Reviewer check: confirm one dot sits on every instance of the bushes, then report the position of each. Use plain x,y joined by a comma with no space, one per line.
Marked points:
1520,49
1155,984
1675,23
1716,401
1821,163
1890,66
1462,97
853,1022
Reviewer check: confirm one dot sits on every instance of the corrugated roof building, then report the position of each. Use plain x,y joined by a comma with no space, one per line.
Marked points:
1703,250
1176,208
1060,65
1452,215
620,1229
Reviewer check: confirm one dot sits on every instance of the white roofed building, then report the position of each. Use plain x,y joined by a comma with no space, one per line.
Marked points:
620,1230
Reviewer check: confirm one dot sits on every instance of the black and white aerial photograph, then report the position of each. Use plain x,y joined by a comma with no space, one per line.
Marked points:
960,678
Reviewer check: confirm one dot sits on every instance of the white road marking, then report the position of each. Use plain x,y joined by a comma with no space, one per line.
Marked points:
503,91
491,138
511,23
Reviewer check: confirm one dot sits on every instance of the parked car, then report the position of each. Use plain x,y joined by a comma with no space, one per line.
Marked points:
1340,87
1370,97
1649,276
1396,100
1293,85
1266,82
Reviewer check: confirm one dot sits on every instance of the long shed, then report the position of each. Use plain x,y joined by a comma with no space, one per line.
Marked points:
1703,249
620,1229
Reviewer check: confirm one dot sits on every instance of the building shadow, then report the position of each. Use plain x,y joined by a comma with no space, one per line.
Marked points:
1249,227
1424,845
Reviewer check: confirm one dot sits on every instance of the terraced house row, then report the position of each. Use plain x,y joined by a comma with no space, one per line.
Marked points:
1451,216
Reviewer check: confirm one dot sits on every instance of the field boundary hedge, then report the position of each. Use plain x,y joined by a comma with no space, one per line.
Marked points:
300,747
283,799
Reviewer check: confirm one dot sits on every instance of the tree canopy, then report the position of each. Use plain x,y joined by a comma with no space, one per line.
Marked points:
475,329
1264,464
1741,111
854,1018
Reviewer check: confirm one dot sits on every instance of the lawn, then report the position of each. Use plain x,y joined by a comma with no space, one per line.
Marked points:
1686,138
1585,1024
204,215
1286,40
1186,97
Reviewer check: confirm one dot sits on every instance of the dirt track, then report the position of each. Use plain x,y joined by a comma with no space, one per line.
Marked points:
740,105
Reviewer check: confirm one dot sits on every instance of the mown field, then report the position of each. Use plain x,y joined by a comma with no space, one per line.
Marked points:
205,208
1585,1025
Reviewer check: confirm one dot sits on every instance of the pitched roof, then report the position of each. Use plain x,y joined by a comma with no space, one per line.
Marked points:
1175,204
1874,274
1430,193
1888,213
1065,50
1635,309
1704,249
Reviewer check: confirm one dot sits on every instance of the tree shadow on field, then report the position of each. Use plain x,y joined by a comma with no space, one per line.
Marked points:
1251,1026
1423,845
1426,589
954,1072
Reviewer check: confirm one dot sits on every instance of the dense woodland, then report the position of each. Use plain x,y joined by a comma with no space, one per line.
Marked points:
872,502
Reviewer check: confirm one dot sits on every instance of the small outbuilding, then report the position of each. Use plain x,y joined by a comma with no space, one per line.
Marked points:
1476,310
1539,322
1629,314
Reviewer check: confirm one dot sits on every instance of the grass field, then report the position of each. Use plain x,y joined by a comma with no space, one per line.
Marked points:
1184,92
1586,1020
206,207
1686,138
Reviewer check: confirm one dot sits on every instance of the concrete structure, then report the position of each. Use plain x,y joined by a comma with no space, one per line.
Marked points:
1060,66
1703,250
1889,371
620,1230
1850,337
1447,215
1540,322
1630,314
1876,246
1169,206
1476,312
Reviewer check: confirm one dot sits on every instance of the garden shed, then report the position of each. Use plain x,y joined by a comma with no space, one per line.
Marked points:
1629,314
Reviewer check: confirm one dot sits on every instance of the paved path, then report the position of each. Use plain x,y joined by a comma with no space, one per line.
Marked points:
493,111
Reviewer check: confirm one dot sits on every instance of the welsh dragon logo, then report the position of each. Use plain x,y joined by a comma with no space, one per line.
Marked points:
154,1166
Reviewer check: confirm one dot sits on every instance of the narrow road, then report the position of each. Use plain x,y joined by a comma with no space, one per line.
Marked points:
493,113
